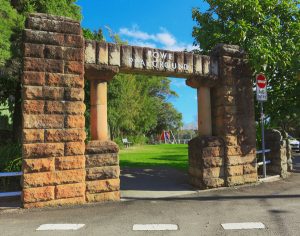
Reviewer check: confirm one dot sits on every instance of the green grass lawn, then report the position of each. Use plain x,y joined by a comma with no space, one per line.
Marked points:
169,155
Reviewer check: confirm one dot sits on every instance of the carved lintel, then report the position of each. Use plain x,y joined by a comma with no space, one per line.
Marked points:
202,81
100,72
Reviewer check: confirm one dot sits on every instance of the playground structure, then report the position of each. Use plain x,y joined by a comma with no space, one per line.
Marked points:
168,137
60,169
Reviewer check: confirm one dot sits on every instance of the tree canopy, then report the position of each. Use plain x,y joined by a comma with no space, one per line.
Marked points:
269,31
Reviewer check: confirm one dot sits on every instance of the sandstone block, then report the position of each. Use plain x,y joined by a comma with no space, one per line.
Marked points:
64,80
33,78
90,51
74,94
113,54
53,25
137,53
34,64
74,67
250,168
38,194
106,172
212,152
43,37
103,53
33,92
33,50
65,135
216,172
75,108
74,148
33,106
38,150
234,170
69,176
57,202
38,179
73,54
234,151
53,52
99,147
209,162
235,180
103,197
43,121
213,182
205,65
54,107
188,59
38,165
70,162
75,121
73,41
250,178
53,93
33,135
99,186
230,140
197,64
126,55
106,159
70,190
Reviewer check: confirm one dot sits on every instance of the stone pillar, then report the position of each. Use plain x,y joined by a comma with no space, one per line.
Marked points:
278,154
102,171
53,108
204,111
99,127
206,162
233,114
102,160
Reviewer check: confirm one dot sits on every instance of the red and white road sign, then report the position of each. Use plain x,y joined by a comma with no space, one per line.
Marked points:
261,87
261,81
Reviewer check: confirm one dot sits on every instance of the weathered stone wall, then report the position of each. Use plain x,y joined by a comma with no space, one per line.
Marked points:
279,153
102,171
207,162
233,114
53,120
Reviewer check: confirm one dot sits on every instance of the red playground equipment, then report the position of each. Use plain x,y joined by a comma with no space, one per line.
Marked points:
167,137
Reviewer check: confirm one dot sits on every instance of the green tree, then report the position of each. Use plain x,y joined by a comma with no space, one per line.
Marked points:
137,105
269,31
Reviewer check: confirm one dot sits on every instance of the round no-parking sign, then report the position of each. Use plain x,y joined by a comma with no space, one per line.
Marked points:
261,87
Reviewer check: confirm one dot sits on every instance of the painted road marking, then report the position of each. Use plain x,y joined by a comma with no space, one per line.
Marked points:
244,225
60,227
148,227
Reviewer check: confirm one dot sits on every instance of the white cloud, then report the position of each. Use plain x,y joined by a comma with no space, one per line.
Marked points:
162,39
179,83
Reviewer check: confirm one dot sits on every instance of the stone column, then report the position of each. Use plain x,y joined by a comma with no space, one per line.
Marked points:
233,114
102,160
99,127
204,111
53,112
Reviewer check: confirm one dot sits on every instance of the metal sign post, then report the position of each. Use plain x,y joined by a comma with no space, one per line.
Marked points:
261,96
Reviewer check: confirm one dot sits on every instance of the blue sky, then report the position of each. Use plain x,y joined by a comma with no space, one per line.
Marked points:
165,24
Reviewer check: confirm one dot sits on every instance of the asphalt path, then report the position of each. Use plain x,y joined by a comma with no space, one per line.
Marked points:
275,204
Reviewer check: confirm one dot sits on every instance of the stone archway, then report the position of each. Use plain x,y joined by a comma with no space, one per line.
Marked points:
59,169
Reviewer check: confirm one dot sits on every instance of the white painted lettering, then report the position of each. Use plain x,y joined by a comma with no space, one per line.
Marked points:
163,55
155,55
